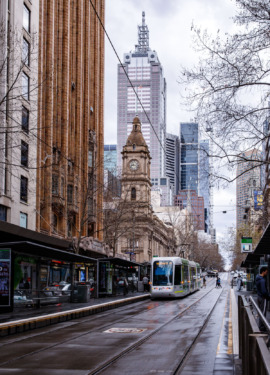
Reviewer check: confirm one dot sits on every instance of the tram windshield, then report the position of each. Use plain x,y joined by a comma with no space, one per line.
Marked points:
162,272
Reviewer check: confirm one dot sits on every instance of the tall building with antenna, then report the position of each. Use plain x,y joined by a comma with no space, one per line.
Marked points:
142,92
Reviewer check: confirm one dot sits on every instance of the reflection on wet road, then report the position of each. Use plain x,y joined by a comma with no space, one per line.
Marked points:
144,338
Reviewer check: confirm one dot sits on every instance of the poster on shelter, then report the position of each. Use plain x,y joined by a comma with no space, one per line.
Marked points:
258,200
5,277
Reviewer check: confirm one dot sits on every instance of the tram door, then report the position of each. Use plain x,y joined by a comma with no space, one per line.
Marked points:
192,278
177,278
198,277
185,278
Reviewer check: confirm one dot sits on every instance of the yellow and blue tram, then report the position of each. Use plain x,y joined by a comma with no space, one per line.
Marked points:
174,277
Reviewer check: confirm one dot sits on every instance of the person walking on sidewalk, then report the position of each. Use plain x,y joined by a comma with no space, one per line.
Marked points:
263,295
204,281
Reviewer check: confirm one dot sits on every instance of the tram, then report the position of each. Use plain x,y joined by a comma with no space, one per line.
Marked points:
174,277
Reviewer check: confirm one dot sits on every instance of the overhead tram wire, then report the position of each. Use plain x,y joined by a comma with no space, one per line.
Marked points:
118,58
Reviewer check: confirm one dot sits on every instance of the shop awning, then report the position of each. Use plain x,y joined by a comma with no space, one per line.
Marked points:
262,248
11,233
42,251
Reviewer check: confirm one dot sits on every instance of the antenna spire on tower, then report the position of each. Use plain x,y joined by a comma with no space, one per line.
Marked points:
143,37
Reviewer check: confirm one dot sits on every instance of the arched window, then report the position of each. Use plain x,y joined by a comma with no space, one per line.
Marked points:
134,146
133,193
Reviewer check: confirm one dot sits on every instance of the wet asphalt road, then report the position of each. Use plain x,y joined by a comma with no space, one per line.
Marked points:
163,338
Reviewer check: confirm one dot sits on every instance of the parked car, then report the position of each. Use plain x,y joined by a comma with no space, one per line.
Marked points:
212,273
20,298
52,290
66,290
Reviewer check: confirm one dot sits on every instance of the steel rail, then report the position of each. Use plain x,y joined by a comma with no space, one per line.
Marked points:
137,344
262,317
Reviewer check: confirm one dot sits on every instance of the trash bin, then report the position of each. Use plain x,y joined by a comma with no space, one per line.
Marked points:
249,286
81,293
140,286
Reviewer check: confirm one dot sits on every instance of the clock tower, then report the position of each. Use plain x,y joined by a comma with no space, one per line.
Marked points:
136,183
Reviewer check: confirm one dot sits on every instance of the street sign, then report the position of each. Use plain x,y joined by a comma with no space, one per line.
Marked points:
246,245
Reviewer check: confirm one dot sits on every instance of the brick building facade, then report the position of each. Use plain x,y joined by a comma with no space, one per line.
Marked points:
70,119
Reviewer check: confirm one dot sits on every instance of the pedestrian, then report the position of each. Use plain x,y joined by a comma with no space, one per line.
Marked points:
239,282
217,281
125,286
263,295
145,283
204,281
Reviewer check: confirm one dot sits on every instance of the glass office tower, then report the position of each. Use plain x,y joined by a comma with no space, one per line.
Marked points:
189,156
141,69
172,161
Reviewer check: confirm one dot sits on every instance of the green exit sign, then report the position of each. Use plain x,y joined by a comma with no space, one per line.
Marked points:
246,240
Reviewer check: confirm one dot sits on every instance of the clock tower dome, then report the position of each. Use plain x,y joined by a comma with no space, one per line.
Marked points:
136,183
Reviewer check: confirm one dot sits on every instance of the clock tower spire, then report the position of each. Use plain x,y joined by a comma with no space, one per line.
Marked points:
136,184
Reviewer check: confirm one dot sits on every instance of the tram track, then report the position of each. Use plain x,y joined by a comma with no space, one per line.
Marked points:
87,319
102,327
186,356
136,345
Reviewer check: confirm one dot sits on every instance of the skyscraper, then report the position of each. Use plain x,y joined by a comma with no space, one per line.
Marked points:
110,158
189,156
142,69
248,180
172,161
204,181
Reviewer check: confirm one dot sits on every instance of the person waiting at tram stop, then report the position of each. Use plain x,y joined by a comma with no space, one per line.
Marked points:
239,282
263,294
145,283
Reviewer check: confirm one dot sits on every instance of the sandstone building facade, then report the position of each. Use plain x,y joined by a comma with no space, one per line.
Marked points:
145,234
19,24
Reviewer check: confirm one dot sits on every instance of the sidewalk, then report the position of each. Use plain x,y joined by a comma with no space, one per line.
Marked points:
22,312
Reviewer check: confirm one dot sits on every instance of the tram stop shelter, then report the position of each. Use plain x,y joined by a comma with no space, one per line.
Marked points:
112,270
259,257
34,267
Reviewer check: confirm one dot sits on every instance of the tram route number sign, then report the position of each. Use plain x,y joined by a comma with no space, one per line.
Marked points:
246,245
125,330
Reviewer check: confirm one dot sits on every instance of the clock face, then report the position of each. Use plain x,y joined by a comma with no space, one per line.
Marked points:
134,165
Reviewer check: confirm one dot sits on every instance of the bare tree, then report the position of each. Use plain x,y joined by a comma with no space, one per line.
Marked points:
229,88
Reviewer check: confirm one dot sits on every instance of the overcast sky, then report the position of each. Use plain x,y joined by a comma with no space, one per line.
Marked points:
169,23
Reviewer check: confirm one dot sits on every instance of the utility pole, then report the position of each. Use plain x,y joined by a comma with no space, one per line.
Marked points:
133,250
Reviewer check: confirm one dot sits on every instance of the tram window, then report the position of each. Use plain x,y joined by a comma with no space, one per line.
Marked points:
186,276
177,276
162,273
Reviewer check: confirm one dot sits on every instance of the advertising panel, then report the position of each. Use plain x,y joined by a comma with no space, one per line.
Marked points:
258,200
5,278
